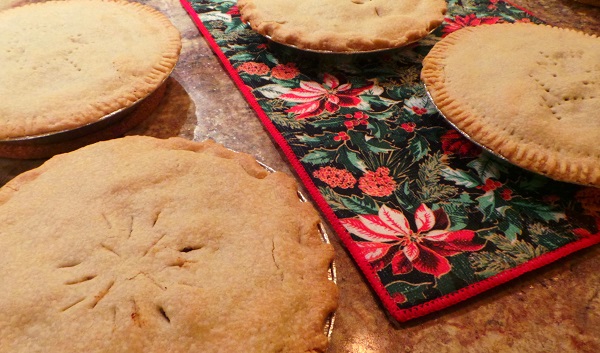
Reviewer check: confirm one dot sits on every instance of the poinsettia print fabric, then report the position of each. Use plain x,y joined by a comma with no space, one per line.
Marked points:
391,240
429,212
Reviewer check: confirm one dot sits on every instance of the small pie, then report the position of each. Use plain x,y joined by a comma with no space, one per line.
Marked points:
69,63
145,245
343,25
530,93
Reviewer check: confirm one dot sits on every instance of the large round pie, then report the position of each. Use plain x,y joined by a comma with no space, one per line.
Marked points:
146,245
66,64
530,93
343,25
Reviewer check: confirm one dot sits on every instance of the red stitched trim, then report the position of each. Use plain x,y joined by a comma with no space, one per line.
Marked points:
371,276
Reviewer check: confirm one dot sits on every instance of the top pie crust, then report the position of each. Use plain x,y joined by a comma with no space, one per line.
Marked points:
530,93
146,245
69,63
343,25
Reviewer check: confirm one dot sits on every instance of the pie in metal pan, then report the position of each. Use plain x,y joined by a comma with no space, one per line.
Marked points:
140,244
72,67
528,93
346,26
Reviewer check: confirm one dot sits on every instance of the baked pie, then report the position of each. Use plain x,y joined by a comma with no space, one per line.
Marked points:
145,245
530,93
343,25
67,64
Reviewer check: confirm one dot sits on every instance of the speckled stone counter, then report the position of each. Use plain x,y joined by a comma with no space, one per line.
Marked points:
555,309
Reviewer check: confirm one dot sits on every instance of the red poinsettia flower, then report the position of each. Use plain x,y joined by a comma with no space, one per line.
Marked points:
422,245
455,143
315,98
470,20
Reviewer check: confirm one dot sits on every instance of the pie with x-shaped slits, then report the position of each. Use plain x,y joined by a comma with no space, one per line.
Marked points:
147,245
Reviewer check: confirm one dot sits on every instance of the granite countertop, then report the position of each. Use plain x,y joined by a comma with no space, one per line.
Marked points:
555,309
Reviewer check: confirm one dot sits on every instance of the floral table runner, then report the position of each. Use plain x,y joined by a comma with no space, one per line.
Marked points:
429,217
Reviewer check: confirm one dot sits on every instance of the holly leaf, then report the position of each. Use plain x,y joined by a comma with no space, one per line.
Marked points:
460,177
351,160
457,214
447,283
243,56
535,182
332,122
360,205
364,142
235,25
412,291
406,197
537,210
377,102
462,268
215,16
319,141
379,129
487,205
319,156
512,224
511,229
486,167
271,91
419,147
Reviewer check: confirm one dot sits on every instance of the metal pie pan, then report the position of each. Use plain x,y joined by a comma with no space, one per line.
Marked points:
83,130
491,151
467,136
349,52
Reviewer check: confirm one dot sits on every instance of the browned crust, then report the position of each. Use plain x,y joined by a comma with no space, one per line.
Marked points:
161,69
399,31
323,297
117,129
556,164
107,102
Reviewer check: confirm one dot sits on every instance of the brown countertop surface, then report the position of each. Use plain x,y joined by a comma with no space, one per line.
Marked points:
555,309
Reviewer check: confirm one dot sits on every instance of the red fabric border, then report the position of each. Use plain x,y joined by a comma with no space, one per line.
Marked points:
397,313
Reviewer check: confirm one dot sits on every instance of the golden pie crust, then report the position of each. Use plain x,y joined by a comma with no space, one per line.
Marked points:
69,63
37,150
146,245
343,25
530,93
